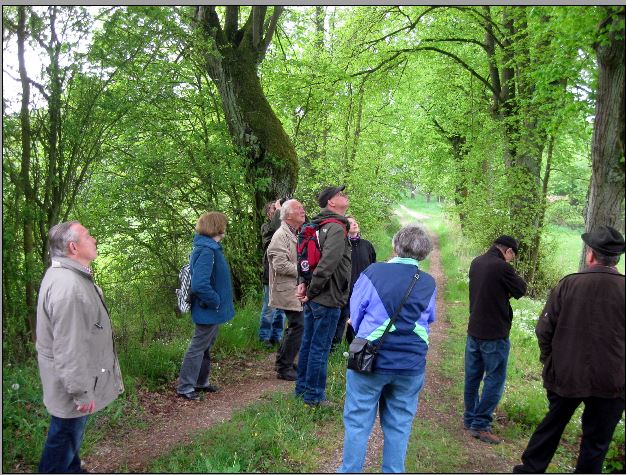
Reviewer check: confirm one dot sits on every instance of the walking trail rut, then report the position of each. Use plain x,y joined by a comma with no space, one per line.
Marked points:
172,421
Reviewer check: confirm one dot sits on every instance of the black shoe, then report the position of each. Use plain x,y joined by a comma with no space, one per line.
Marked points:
274,342
267,344
211,388
288,375
192,396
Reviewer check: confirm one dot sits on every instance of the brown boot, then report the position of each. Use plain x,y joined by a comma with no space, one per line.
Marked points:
485,436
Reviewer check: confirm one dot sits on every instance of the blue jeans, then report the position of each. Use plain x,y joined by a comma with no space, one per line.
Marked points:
60,454
272,319
484,359
396,398
196,367
320,323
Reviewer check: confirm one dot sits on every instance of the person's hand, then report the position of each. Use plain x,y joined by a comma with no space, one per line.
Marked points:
88,408
301,291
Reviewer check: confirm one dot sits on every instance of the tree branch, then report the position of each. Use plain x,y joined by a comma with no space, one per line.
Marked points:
278,9
231,23
258,18
409,27
456,40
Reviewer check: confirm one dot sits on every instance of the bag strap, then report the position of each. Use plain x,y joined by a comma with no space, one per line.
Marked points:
336,221
397,312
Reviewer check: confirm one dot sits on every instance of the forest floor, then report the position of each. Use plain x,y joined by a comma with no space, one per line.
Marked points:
170,420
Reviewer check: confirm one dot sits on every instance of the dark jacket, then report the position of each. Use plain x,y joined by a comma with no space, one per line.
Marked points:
363,254
211,286
330,285
492,282
581,335
267,231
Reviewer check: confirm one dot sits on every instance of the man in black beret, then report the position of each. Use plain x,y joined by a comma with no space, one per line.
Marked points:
492,282
581,340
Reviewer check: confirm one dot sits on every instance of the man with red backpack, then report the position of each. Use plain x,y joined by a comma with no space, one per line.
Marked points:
323,288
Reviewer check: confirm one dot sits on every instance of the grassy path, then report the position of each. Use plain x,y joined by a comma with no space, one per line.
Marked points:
173,421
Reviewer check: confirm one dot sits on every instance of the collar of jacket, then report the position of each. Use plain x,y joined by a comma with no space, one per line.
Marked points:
292,232
493,250
403,260
206,241
327,214
354,239
601,268
68,263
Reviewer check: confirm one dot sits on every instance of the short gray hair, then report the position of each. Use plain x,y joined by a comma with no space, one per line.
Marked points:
286,208
412,241
59,238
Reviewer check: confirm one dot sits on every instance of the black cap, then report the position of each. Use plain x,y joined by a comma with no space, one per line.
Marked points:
606,240
508,241
327,193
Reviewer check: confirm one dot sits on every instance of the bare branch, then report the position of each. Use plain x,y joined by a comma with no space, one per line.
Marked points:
258,17
231,23
409,27
456,40
278,9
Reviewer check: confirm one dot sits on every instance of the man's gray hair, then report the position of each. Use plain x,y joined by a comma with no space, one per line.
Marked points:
286,208
59,238
412,241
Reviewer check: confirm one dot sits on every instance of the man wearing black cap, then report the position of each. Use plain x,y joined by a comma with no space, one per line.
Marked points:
581,339
492,282
324,296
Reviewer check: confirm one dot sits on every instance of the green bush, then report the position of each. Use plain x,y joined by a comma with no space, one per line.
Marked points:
562,213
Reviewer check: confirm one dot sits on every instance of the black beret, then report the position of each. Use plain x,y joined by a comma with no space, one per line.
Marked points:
508,241
606,240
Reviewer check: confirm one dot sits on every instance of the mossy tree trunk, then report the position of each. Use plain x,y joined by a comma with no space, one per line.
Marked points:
232,54
606,189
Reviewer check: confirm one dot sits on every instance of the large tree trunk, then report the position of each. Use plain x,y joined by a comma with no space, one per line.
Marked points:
252,123
606,189
25,188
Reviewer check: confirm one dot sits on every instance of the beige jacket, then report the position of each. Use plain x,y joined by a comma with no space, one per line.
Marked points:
283,269
75,349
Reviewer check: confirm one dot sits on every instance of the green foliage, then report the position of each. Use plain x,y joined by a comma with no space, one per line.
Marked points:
562,213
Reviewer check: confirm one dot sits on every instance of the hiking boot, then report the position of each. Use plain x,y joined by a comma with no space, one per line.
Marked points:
287,375
485,436
192,396
267,344
209,388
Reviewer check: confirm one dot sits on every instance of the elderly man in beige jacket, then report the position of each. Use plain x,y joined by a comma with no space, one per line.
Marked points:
80,373
283,274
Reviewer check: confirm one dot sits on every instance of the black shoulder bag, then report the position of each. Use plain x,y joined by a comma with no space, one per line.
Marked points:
362,352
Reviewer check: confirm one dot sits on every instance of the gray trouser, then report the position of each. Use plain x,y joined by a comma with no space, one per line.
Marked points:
194,372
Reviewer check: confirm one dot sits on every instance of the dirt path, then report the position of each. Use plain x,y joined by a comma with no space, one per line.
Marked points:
478,456
173,421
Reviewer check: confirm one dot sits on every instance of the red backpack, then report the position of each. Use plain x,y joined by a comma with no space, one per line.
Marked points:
309,252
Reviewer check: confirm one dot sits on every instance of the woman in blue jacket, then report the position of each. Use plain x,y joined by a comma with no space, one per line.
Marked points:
394,385
211,303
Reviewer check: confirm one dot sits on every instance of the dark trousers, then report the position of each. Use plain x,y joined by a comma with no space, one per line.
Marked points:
291,342
599,419
60,454
341,326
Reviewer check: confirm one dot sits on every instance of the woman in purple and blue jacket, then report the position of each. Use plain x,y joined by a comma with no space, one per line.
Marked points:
394,385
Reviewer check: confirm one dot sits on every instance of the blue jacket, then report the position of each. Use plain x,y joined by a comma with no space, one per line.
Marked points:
211,287
376,295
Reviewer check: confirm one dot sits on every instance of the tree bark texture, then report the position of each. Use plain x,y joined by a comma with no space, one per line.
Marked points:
232,58
606,189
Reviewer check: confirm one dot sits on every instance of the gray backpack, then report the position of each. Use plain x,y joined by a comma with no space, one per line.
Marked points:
184,293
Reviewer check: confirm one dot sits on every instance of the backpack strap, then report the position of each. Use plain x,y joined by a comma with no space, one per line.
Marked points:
395,315
336,221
